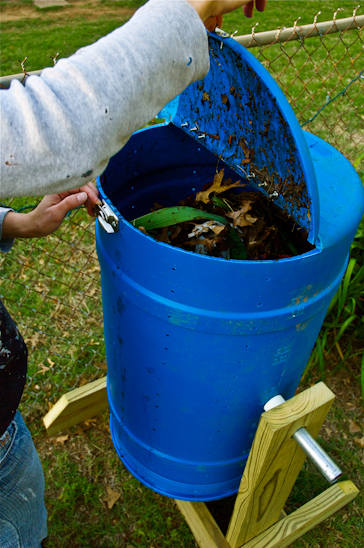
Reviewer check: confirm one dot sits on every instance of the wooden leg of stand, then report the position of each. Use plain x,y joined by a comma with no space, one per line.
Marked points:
292,527
202,524
258,519
274,463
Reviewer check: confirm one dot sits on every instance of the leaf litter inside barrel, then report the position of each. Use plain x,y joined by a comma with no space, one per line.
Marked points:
228,221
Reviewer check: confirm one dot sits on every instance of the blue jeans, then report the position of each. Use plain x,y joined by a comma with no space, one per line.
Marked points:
23,517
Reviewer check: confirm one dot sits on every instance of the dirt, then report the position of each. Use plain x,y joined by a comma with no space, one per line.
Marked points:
90,9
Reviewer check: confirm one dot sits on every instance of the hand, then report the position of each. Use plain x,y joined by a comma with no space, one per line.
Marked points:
49,213
212,11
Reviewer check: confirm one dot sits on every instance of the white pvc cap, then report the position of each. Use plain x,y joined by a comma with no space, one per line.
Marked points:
273,402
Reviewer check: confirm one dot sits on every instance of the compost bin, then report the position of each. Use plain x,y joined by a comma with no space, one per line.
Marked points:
196,345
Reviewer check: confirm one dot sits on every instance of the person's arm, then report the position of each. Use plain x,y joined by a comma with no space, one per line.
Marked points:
61,128
47,216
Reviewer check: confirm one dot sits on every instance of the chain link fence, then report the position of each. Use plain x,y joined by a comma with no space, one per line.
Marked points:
51,286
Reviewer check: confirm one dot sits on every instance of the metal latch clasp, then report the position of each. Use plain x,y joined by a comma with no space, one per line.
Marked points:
107,218
221,33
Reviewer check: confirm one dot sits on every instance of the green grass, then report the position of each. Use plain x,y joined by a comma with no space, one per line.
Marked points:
40,39
78,514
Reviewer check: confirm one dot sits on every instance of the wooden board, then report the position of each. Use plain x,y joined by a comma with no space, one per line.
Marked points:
274,463
202,524
77,406
292,527
288,529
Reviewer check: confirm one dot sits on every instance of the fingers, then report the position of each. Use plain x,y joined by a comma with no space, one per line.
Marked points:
93,198
92,193
72,201
211,23
249,8
261,4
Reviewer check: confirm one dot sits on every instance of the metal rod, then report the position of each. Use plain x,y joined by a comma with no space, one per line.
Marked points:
313,450
6,80
319,457
298,32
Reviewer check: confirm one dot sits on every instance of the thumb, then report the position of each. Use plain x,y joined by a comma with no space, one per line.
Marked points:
71,202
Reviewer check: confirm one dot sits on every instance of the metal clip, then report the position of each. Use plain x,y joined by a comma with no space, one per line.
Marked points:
107,218
221,33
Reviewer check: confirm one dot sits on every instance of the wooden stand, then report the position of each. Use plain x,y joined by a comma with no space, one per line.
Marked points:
275,460
274,463
76,406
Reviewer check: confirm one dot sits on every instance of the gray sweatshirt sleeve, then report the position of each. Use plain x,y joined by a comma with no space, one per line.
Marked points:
5,243
60,129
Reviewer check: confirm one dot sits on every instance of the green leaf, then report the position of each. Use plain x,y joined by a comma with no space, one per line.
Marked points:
172,215
216,200
237,246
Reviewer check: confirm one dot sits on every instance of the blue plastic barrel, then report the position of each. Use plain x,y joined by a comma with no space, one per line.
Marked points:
196,345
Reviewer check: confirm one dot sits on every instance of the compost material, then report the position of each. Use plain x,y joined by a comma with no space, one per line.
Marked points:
227,220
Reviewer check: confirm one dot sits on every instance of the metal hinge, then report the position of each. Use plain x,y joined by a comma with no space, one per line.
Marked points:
107,218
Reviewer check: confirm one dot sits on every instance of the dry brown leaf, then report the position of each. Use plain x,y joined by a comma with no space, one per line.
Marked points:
83,381
33,340
217,229
359,441
176,232
241,217
163,235
50,362
111,497
245,148
61,439
353,427
328,431
250,219
90,422
81,428
225,101
43,369
204,196
205,96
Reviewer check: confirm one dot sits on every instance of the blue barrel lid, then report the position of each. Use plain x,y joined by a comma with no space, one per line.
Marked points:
239,113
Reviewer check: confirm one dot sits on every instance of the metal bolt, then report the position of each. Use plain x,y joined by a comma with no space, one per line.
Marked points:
203,136
263,184
194,128
185,124
319,457
274,194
